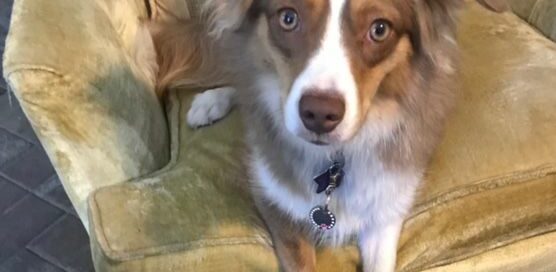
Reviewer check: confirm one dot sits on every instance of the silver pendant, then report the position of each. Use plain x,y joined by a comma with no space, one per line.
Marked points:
322,218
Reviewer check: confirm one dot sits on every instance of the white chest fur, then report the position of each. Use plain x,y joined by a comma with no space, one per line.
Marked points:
369,196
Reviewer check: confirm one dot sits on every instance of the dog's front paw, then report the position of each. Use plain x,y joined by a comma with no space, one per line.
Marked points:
210,106
378,246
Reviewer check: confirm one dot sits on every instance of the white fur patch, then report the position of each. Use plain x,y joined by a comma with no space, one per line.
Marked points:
378,247
328,70
210,106
269,95
297,207
370,197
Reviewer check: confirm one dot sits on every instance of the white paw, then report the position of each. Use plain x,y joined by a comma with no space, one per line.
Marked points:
210,106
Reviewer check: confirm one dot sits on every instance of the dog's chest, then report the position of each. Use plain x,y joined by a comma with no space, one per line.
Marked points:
368,195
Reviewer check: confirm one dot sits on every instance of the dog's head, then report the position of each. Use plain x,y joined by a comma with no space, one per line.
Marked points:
328,66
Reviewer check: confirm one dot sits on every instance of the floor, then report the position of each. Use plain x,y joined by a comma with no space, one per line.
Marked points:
39,230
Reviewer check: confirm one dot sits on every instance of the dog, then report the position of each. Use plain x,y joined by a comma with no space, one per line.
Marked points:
344,102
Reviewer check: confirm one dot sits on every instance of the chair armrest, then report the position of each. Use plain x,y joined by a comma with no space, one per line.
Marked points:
68,62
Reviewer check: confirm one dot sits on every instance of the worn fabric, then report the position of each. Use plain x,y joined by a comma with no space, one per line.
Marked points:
488,202
71,65
539,13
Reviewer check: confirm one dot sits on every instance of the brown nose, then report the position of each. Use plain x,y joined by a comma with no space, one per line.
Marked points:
321,113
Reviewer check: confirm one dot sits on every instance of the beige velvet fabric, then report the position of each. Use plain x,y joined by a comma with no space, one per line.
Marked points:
539,13
195,214
71,66
488,202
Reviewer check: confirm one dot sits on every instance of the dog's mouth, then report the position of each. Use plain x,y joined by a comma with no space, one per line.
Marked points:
319,142
333,138
323,140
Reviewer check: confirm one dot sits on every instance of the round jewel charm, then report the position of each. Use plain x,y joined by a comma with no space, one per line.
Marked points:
322,218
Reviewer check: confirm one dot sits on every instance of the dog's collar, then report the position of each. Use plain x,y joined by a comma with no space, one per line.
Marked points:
327,182
331,178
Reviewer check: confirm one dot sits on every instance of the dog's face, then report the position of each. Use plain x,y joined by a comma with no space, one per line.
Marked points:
331,57
336,64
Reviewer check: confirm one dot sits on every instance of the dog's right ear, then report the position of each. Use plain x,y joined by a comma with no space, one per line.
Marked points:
225,15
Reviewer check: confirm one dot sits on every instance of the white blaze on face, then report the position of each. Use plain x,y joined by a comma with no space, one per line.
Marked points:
328,70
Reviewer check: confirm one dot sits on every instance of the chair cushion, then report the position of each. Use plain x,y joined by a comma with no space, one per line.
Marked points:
539,13
70,65
488,202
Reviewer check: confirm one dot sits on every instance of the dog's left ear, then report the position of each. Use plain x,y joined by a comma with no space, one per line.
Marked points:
434,19
225,15
495,5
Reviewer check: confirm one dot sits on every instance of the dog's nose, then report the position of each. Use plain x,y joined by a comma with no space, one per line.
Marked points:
321,113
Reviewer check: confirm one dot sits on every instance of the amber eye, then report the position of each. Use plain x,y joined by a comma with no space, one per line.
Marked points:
289,19
380,30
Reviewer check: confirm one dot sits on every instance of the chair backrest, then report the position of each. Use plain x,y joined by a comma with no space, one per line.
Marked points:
539,13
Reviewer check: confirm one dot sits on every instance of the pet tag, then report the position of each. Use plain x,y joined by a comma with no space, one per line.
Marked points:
332,177
322,218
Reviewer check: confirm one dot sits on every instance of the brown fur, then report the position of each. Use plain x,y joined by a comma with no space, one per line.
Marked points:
186,57
295,251
186,53
408,75
297,46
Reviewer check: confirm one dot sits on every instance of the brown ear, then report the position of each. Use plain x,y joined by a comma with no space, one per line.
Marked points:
495,5
434,19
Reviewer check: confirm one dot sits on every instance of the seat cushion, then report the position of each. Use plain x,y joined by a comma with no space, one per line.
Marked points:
539,13
488,202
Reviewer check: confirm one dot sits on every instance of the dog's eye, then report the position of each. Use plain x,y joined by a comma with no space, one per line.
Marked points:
380,30
289,19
